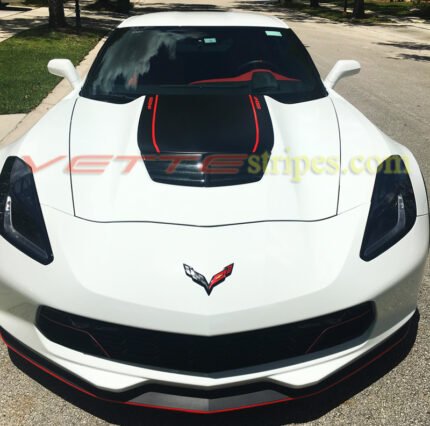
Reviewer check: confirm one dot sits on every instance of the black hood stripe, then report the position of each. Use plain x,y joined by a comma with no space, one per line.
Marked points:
203,125
151,102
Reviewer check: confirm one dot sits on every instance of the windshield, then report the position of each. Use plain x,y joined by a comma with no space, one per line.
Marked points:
203,60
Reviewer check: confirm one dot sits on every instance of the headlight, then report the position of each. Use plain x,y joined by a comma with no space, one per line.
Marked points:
392,210
21,219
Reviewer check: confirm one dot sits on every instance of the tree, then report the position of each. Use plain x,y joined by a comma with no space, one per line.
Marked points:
56,14
314,3
358,11
78,14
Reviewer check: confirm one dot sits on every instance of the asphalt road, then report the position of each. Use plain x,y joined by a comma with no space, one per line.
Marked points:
393,90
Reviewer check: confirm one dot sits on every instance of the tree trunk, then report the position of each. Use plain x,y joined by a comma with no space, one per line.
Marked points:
78,14
358,11
314,3
123,6
56,14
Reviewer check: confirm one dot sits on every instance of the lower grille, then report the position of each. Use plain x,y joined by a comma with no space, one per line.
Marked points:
201,354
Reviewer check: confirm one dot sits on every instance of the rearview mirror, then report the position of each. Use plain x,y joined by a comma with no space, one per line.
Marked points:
342,68
64,68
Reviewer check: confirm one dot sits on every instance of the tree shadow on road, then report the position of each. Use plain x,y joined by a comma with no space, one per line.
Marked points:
275,9
259,6
299,12
406,45
420,58
409,45
359,376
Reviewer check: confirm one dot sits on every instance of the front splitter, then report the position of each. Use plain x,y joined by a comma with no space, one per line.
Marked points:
198,401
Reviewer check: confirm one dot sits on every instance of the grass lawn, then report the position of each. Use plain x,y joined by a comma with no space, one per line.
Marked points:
380,11
24,78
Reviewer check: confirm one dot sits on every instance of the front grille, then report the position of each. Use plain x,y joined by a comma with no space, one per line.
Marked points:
201,354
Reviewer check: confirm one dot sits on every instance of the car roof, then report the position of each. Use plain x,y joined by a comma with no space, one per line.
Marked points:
203,19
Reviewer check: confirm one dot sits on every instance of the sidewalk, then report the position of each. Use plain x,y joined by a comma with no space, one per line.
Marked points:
14,21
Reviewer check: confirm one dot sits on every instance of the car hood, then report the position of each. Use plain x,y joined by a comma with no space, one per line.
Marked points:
111,183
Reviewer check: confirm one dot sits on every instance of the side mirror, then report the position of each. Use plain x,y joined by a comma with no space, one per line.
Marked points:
341,69
64,68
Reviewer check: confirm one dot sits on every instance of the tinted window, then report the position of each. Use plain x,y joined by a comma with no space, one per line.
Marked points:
177,60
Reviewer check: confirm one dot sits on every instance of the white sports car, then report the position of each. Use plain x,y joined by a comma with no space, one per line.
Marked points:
204,225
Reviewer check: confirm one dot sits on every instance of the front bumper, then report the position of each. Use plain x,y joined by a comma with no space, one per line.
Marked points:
198,401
